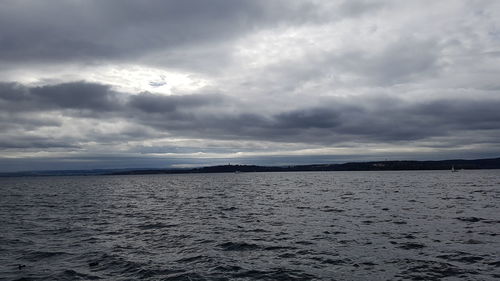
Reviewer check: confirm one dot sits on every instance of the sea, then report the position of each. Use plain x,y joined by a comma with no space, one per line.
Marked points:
388,225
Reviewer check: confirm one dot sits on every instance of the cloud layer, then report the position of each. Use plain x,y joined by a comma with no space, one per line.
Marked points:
195,82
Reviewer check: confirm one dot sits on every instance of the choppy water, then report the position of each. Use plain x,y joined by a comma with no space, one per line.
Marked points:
428,225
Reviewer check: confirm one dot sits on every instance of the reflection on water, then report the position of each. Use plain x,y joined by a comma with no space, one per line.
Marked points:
424,225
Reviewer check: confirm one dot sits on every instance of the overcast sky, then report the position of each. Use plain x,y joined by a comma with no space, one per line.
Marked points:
158,83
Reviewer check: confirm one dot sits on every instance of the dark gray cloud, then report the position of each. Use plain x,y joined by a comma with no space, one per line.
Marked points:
76,95
151,103
310,118
75,30
79,96
34,143
470,114
205,115
22,121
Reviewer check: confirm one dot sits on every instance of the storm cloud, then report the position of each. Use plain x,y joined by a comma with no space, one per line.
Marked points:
205,115
298,81
74,30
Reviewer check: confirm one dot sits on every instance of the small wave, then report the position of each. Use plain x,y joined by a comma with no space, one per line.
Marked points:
238,246
495,263
461,257
491,221
335,261
185,276
329,209
275,274
473,242
432,270
409,236
470,219
411,246
156,226
40,255
275,248
258,230
117,265
304,243
335,232
190,259
70,274
225,268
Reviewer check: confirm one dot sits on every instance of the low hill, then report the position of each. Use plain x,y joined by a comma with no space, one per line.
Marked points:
493,163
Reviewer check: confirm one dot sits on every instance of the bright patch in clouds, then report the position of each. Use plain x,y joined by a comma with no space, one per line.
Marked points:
135,79
123,77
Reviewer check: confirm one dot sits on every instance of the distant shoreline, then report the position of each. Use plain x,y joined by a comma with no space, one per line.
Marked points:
404,165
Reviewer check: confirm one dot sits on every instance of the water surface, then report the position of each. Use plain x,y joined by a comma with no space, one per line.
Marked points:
422,225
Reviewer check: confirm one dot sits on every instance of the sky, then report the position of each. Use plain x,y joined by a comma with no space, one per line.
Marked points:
90,84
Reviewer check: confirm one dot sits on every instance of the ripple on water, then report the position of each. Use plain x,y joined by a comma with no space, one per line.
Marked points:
238,246
433,270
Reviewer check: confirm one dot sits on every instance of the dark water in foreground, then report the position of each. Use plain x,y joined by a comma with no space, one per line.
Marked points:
427,225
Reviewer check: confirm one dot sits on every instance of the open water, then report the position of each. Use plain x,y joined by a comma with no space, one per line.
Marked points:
422,225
